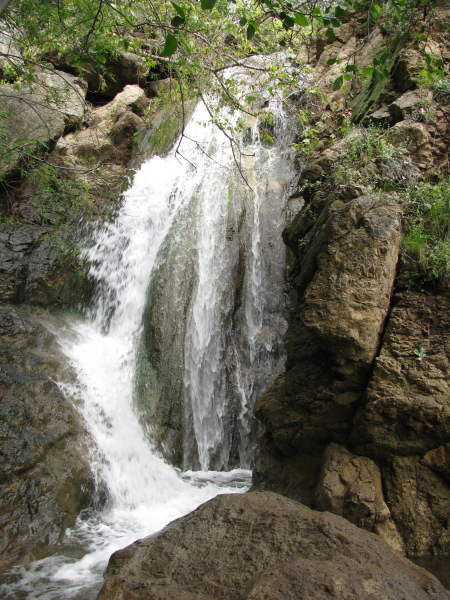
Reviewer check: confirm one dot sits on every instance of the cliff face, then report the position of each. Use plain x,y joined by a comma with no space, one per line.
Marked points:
359,423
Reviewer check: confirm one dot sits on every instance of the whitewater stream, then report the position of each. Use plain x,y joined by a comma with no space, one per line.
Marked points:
190,295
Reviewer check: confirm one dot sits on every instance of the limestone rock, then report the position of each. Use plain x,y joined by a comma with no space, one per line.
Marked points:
350,486
110,138
125,69
414,137
406,410
379,117
9,52
419,501
29,120
408,103
63,92
261,545
44,475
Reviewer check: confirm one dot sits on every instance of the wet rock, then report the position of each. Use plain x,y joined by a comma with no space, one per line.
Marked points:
45,477
406,410
294,476
419,501
36,265
262,545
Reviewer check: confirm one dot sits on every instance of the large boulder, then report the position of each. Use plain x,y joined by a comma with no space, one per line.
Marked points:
351,486
44,473
38,115
261,545
344,276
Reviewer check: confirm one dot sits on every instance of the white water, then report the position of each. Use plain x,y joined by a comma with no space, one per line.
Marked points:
143,492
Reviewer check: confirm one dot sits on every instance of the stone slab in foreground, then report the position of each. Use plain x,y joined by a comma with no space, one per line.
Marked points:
263,546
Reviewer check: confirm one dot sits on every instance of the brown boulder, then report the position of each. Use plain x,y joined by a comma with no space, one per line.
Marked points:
261,545
406,410
419,501
344,275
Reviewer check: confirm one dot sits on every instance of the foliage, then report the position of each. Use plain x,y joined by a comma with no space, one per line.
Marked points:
419,353
60,195
368,159
426,239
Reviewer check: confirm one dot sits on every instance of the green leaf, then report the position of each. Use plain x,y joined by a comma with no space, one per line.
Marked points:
351,68
336,22
170,45
338,83
288,22
316,12
243,21
207,4
439,63
339,11
348,76
440,73
330,34
250,31
428,59
385,57
377,8
331,61
377,76
367,72
179,10
301,20
177,21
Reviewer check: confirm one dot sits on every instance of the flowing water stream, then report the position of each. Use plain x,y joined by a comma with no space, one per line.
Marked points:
185,332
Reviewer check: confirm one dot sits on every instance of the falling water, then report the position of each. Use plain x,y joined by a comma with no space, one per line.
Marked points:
190,274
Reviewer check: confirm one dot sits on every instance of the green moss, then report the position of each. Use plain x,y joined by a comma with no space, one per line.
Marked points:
164,135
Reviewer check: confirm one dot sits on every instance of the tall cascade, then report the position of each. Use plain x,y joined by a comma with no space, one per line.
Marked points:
185,332
215,319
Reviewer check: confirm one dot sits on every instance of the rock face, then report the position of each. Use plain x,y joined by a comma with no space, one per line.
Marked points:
262,545
45,478
40,115
344,275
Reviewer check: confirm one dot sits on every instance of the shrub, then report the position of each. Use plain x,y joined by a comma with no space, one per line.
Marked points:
426,238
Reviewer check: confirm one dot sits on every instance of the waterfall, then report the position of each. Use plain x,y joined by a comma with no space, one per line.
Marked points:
185,331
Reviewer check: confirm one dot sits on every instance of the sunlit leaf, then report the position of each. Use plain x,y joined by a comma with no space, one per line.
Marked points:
179,10
367,72
301,20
